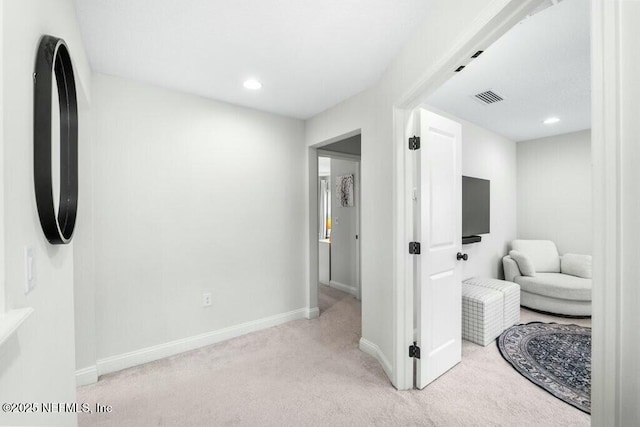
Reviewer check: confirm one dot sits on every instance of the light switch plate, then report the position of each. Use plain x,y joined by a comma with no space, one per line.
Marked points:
29,270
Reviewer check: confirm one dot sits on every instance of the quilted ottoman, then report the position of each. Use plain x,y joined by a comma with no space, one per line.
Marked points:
482,314
511,297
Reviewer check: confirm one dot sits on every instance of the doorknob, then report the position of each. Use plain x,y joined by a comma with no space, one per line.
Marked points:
462,256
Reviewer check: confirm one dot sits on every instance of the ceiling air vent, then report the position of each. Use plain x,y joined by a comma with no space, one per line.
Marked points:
488,97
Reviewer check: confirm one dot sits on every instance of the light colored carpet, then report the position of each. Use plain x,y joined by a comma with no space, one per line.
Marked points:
311,373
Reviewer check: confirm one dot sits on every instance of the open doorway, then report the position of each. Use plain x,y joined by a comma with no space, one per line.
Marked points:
526,124
524,162
338,219
334,219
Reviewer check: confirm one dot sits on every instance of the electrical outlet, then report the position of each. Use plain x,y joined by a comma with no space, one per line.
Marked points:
206,299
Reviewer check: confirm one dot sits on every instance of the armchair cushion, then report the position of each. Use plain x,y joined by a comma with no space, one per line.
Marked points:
511,270
543,253
576,265
525,264
556,285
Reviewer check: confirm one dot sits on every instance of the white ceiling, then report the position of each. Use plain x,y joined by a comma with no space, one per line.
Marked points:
308,54
541,68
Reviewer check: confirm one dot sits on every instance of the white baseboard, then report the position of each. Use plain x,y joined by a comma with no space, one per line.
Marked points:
86,376
312,313
149,354
373,350
344,288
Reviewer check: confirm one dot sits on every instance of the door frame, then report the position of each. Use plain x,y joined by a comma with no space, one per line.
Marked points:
608,369
2,168
609,372
312,162
496,19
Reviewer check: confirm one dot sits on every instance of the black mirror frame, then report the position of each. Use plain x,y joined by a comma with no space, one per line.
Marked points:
53,57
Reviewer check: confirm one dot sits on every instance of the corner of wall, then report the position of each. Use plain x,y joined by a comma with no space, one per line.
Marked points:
373,350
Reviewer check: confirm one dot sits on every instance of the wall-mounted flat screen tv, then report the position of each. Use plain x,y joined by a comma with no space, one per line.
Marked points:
476,206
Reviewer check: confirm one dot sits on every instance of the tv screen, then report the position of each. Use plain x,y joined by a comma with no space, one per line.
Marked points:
476,206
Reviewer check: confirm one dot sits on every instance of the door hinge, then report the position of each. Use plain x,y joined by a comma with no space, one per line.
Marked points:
414,248
414,351
414,143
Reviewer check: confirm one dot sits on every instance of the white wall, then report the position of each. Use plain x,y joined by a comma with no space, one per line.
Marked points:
38,363
192,196
554,191
83,261
343,230
371,111
488,155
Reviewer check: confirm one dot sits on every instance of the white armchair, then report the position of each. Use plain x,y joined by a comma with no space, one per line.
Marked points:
554,284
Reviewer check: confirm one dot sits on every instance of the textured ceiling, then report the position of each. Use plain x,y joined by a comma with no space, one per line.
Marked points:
541,68
308,54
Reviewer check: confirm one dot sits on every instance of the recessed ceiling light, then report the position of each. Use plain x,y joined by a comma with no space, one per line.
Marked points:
551,120
252,84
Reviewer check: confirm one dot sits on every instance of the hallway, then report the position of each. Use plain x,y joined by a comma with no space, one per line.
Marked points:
308,373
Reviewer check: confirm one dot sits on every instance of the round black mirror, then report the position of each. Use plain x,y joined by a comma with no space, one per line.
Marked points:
56,185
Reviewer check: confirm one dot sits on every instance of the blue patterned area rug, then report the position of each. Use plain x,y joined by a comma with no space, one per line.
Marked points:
553,356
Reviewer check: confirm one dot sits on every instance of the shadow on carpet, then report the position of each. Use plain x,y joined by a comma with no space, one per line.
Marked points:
553,356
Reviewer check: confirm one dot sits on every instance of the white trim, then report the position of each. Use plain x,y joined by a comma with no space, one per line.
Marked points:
358,234
373,350
606,145
338,155
11,321
313,268
344,288
149,354
403,263
312,313
494,21
2,170
86,376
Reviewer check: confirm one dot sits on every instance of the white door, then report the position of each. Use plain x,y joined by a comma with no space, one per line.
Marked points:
439,231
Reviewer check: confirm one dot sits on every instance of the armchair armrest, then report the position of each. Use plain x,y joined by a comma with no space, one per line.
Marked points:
511,269
576,265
